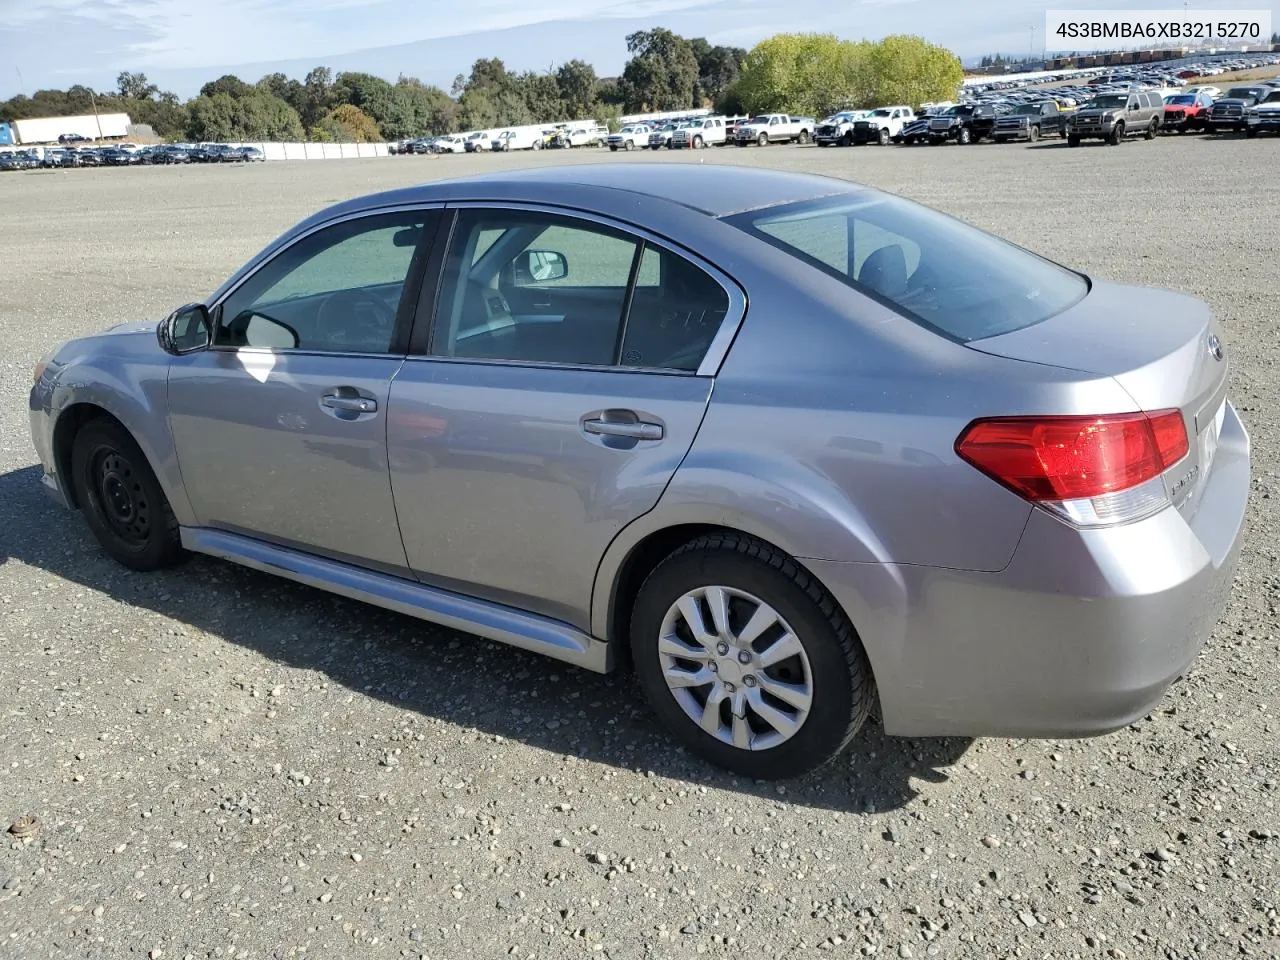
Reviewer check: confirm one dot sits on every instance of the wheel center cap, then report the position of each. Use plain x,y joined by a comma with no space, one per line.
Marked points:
729,670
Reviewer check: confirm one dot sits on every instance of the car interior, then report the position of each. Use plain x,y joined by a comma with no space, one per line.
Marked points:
499,308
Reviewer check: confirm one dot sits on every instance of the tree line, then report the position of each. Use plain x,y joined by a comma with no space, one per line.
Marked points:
803,73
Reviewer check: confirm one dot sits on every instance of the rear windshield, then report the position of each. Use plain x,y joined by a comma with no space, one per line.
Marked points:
953,278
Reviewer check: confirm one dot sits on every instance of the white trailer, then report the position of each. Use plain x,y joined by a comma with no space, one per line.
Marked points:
49,129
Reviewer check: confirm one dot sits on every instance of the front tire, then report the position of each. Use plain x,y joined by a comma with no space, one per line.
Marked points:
1033,134
1073,140
964,136
747,660
804,137
1150,133
121,499
762,140
1117,135
884,136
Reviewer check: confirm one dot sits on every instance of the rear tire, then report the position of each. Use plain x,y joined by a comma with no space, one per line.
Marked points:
1150,133
121,499
824,676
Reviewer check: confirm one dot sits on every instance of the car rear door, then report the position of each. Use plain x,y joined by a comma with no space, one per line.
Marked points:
520,446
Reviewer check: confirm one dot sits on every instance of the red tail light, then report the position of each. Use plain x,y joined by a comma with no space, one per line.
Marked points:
1074,458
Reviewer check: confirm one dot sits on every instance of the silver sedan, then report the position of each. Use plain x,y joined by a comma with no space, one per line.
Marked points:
790,447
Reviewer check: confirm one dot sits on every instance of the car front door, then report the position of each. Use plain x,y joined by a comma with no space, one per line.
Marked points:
563,380
280,427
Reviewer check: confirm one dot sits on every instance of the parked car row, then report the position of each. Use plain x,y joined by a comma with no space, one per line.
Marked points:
126,154
1111,113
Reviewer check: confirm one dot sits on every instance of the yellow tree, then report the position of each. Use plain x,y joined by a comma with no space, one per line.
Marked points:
910,70
357,126
804,73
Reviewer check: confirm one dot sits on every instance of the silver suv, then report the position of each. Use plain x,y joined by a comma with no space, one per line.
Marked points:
1114,116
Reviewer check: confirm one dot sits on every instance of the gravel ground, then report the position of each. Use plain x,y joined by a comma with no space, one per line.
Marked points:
223,765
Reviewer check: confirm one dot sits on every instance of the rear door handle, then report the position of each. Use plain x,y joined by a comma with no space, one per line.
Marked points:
616,428
355,404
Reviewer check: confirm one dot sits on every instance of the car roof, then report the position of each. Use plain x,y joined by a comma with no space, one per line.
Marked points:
716,190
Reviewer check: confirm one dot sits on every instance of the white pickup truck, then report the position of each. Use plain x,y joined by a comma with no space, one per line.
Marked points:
703,132
630,137
882,125
774,128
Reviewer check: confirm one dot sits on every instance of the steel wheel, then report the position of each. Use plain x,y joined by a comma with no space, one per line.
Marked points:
118,496
735,667
121,499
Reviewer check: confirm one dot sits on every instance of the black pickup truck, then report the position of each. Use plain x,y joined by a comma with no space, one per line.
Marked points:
1031,121
965,123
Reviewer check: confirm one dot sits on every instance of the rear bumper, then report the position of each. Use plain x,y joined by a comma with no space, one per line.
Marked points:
1080,635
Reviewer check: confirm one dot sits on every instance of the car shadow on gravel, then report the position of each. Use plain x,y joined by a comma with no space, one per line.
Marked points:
467,682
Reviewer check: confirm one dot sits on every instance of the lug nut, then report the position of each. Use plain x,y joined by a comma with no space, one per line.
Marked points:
749,681
713,667
722,648
744,656
729,687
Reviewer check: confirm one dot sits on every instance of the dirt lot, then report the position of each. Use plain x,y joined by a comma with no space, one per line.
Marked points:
229,766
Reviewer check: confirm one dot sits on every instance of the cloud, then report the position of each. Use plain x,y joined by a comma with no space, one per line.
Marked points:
177,34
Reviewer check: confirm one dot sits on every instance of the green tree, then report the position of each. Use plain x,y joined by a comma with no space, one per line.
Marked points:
134,86
229,84
718,69
577,83
257,116
661,72
434,111
316,96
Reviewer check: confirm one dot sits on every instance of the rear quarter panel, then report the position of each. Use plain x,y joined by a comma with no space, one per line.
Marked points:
832,424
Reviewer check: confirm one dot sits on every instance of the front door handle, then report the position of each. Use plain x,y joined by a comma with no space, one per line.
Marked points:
354,404
622,428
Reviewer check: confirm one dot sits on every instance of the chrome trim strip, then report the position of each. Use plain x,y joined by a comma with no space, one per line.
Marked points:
527,631
724,337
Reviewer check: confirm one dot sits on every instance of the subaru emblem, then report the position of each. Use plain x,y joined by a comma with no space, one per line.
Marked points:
1215,346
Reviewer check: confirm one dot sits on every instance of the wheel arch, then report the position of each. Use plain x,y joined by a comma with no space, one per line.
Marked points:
69,423
639,548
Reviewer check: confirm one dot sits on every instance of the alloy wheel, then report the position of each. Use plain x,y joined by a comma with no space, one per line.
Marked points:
735,667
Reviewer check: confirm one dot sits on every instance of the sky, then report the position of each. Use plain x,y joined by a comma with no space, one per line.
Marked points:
181,44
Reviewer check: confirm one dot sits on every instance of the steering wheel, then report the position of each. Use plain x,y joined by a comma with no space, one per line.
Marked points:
355,318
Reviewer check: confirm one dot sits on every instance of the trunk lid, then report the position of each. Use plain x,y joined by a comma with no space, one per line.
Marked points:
1158,345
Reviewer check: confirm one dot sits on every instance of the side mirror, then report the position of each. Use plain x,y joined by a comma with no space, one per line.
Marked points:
186,330
540,266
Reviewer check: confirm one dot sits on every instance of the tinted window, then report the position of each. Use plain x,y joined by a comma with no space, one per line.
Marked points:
949,276
676,311
338,289
551,289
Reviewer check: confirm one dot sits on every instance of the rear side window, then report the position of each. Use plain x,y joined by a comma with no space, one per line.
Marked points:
955,279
